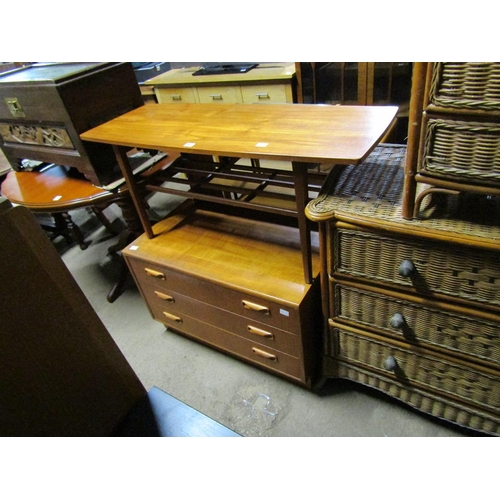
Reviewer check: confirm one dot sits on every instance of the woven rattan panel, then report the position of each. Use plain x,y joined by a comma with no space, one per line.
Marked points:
465,335
374,191
466,85
427,402
419,368
465,274
445,344
462,150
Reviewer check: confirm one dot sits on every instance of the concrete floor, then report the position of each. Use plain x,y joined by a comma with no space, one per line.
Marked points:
246,399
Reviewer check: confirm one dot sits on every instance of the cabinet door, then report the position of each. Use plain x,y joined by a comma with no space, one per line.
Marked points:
219,95
175,95
266,94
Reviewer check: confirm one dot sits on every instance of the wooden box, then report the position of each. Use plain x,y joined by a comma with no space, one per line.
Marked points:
44,108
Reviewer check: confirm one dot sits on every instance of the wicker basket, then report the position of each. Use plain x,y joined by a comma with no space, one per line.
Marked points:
466,85
462,150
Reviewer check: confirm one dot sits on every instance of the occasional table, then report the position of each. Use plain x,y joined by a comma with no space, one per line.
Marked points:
305,135
58,190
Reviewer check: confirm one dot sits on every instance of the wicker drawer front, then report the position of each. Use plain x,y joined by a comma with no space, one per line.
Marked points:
429,402
254,308
461,150
410,321
430,267
467,86
166,304
238,346
416,367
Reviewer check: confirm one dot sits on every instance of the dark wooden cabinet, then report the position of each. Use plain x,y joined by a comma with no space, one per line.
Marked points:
44,108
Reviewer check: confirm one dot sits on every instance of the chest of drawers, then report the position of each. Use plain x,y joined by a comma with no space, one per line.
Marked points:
268,83
234,284
412,306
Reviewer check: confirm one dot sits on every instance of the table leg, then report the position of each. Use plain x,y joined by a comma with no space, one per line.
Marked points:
301,200
65,225
124,163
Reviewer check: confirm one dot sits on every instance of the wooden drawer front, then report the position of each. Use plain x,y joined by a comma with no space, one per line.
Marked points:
263,94
411,321
174,95
461,150
243,348
423,266
416,367
219,95
163,301
253,308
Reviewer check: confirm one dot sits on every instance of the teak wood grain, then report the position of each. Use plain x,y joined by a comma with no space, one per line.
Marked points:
302,134
289,132
241,253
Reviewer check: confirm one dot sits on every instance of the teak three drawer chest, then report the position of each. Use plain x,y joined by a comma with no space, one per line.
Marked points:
234,284
412,307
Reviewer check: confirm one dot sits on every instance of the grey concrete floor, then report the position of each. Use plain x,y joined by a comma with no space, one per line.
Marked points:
248,400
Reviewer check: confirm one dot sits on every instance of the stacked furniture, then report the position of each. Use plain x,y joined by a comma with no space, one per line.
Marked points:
233,273
412,305
455,131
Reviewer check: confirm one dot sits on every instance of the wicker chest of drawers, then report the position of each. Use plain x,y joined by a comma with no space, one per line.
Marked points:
234,284
412,306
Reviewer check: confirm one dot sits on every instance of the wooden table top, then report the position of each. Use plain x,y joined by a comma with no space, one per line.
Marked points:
289,132
52,190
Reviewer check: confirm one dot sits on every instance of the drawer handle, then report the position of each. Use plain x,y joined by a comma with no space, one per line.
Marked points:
216,97
390,363
154,274
176,97
172,317
406,269
397,321
164,296
262,95
261,333
264,354
255,307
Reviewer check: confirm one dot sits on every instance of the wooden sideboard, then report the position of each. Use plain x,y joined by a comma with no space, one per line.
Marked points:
412,307
267,83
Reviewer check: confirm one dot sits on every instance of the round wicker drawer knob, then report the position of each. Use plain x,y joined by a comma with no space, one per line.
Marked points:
406,269
390,363
397,321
